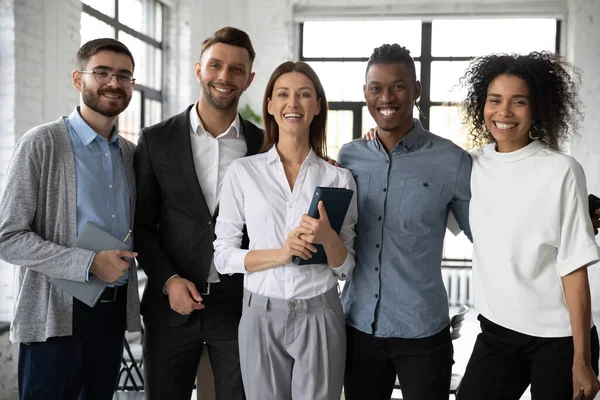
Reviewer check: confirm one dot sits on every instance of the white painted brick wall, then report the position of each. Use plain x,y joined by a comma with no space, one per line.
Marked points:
38,43
584,51
182,49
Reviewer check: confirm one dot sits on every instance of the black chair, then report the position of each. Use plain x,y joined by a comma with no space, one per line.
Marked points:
131,378
456,323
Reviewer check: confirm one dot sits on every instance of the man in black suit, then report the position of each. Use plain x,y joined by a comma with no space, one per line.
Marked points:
179,165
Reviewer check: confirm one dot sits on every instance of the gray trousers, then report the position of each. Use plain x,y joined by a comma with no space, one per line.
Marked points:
292,349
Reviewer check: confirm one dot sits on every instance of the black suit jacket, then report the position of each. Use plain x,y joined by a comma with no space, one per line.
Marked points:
174,230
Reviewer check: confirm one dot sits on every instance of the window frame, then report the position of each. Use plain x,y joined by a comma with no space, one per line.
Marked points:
146,93
425,59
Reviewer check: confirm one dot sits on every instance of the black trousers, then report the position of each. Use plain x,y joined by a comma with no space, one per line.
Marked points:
505,362
423,366
83,366
172,353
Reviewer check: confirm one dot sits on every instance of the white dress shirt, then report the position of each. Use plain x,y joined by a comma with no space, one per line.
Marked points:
256,193
212,156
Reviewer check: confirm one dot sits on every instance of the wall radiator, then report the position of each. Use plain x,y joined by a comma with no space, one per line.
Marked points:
459,285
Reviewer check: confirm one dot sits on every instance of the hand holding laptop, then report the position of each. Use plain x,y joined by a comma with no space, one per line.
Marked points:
110,265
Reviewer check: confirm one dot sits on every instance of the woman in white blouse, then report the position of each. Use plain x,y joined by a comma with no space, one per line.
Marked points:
292,331
532,235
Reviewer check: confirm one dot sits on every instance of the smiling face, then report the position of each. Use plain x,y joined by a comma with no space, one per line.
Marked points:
224,72
294,104
507,112
108,100
390,92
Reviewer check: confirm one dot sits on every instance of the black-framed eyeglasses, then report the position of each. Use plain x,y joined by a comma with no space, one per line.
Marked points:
104,77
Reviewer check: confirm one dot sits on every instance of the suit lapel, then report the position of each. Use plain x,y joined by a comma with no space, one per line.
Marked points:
183,146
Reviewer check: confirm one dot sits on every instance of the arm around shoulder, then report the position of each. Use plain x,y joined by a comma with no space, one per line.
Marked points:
459,205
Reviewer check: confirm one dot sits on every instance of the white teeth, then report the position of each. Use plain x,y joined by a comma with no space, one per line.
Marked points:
505,126
221,90
112,96
386,112
292,115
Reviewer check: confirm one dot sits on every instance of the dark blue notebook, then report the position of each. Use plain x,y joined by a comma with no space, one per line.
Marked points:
336,202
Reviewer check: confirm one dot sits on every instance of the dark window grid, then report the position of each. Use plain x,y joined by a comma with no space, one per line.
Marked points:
425,59
145,91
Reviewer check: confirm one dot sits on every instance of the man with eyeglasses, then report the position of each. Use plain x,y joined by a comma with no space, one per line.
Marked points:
62,175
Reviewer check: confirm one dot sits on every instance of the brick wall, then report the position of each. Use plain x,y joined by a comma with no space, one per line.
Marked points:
38,43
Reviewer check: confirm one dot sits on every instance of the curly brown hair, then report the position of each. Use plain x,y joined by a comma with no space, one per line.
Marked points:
553,84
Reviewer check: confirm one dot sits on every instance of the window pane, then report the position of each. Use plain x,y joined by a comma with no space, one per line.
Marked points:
457,247
478,37
153,112
141,15
446,122
104,6
339,131
358,38
444,80
147,61
129,120
342,81
158,21
92,28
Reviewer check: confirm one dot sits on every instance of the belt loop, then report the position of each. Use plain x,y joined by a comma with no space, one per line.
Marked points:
267,303
249,298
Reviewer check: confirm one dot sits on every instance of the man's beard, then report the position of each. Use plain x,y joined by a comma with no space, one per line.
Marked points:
94,101
219,104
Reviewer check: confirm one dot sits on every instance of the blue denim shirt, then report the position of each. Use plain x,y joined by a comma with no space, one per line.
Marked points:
403,202
102,189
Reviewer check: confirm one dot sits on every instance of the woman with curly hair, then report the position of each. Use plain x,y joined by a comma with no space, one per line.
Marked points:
532,235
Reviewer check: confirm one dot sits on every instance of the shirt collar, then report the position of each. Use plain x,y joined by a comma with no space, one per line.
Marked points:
198,127
84,132
409,140
273,155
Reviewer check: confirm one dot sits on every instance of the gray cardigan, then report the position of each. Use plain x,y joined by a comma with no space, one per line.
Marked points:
38,224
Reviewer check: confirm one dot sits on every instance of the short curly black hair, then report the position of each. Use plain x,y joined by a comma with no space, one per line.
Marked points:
553,84
392,54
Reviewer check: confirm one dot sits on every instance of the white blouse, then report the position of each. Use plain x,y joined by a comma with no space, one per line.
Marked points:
530,224
256,193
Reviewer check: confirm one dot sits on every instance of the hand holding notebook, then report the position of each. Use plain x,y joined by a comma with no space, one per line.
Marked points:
95,239
336,202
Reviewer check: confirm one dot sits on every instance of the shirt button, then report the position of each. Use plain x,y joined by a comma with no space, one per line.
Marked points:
377,245
376,296
385,190
387,161
376,269
110,186
209,223
105,154
114,216
379,218
425,184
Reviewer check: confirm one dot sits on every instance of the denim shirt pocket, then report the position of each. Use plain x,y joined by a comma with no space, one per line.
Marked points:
419,198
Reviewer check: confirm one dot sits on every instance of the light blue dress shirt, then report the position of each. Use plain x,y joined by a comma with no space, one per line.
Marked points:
102,190
404,198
